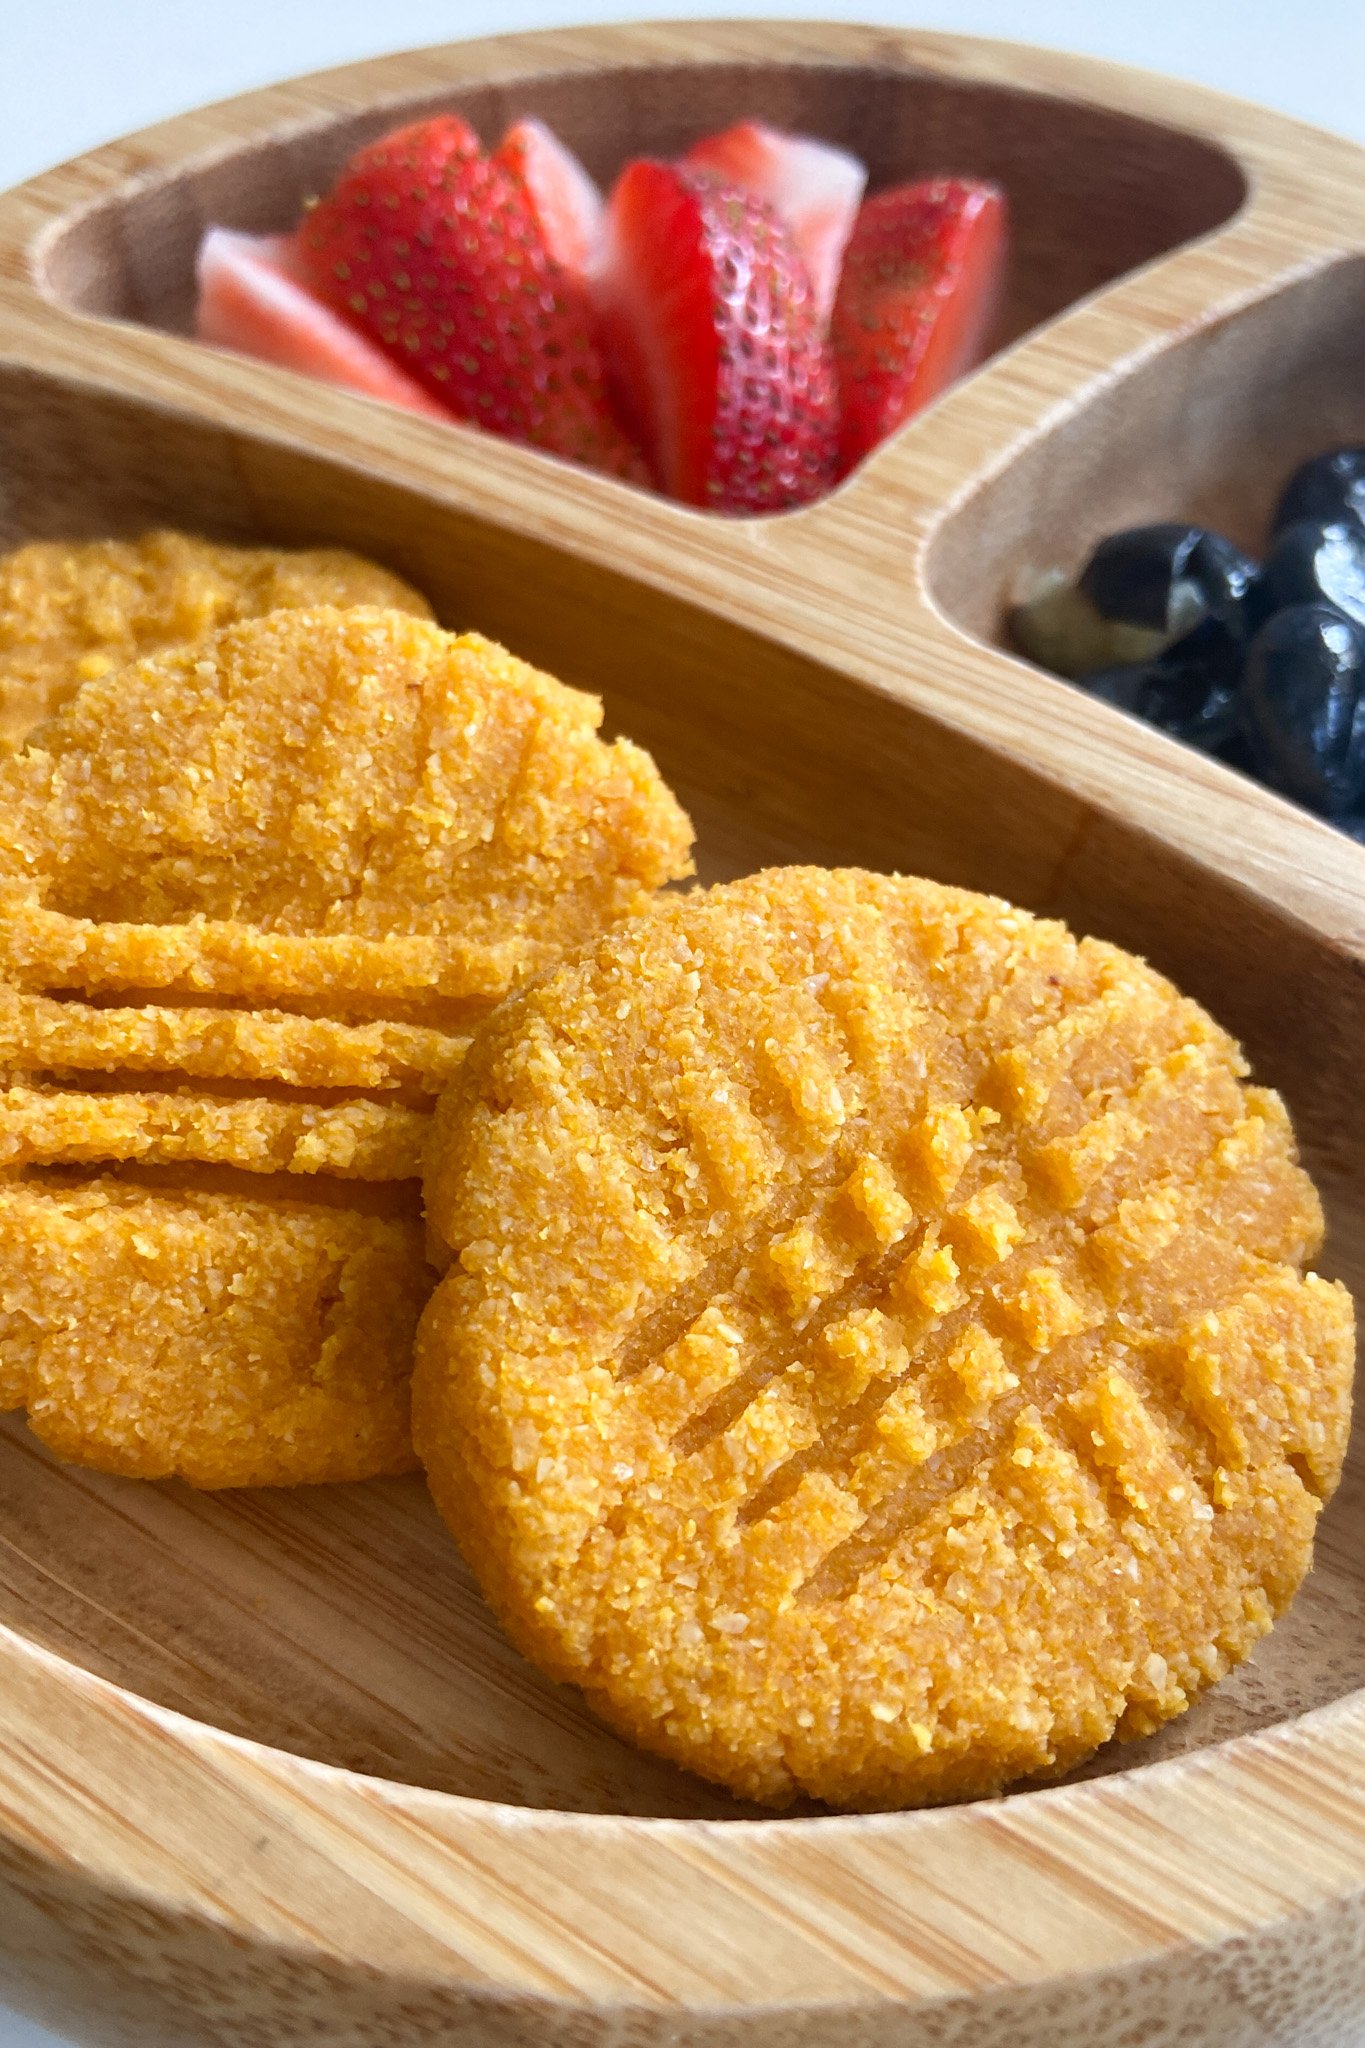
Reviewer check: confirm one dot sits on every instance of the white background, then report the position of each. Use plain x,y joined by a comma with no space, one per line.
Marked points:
77,72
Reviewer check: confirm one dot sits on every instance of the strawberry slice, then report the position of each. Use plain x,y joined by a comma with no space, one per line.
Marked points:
920,283
253,301
435,252
814,186
563,197
712,334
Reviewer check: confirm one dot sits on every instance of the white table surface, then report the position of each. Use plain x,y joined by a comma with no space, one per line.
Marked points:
77,72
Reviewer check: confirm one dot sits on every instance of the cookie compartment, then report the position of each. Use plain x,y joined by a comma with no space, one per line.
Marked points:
339,1622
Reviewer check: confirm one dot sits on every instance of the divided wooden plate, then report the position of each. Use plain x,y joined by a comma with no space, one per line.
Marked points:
268,1773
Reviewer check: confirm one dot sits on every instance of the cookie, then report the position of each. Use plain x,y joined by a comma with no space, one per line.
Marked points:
351,811
222,1339
74,610
253,896
352,1140
348,808
877,1360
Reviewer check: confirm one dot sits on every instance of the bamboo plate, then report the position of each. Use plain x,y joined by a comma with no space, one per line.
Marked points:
268,1773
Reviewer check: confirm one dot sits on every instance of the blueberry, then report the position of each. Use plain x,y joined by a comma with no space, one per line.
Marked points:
1125,686
1190,690
1302,706
1313,561
1166,578
1353,825
1330,486
1237,754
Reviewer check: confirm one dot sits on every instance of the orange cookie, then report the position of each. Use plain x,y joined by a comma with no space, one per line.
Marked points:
352,812
73,610
877,1360
225,1340
296,860
347,810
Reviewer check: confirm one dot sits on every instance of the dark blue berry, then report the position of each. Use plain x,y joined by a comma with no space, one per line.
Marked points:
1193,686
1302,706
1327,487
1312,562
1166,577
1190,690
1124,687
1237,754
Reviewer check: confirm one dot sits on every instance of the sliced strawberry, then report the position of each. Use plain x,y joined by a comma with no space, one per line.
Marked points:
436,253
711,332
252,300
563,197
814,186
921,279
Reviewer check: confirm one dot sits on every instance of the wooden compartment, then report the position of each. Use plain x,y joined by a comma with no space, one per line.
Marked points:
1207,430
268,1772
1093,192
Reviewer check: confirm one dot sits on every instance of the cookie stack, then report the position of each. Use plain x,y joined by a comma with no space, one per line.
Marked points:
255,892
877,1357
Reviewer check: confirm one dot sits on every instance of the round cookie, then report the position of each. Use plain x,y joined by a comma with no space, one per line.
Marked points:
73,610
349,807
367,828
200,1334
877,1360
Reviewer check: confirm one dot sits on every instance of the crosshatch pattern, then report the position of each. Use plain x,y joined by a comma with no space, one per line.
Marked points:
902,1228
422,1836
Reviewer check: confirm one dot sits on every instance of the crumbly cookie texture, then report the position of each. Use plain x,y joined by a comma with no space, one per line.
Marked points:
201,1335
71,611
350,1140
360,831
64,1037
331,800
877,1359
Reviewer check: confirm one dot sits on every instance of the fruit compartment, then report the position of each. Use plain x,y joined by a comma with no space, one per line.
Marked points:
339,1623
1209,431
1094,193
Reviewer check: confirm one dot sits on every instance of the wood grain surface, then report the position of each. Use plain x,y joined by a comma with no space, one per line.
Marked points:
268,1772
